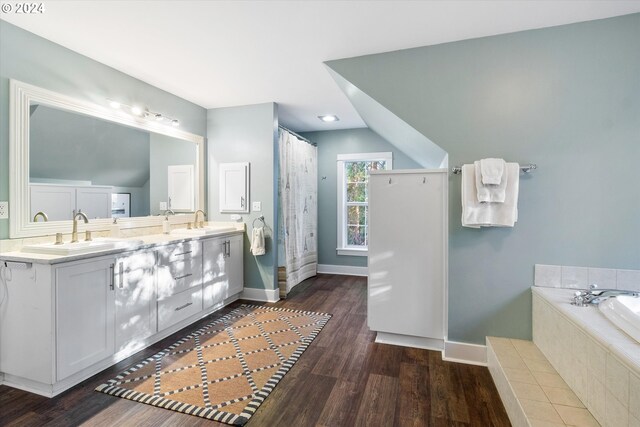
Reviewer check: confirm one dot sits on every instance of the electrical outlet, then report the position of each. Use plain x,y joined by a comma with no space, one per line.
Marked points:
257,206
163,206
4,210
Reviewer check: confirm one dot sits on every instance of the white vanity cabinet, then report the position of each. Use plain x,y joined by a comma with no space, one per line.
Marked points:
135,299
66,321
222,269
84,307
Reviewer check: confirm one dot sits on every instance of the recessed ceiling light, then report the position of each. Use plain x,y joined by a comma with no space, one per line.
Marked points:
114,104
136,110
329,118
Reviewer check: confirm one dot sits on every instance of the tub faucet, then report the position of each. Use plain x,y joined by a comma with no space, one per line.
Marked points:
595,295
74,232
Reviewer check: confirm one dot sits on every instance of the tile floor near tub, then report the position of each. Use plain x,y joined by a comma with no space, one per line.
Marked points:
541,394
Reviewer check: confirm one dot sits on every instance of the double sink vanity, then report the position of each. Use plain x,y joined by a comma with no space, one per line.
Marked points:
74,309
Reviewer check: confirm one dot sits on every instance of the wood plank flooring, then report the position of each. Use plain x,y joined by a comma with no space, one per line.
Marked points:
342,379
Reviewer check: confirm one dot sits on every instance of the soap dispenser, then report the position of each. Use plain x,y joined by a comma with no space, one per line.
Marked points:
166,227
114,229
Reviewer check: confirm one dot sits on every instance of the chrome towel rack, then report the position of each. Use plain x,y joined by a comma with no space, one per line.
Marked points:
457,170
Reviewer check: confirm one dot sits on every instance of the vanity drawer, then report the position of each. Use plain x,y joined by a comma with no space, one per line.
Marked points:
179,268
179,307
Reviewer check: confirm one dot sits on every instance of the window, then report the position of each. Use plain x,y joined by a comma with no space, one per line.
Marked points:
353,201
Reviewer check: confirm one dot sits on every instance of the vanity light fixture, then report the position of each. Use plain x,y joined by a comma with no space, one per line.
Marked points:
328,118
144,113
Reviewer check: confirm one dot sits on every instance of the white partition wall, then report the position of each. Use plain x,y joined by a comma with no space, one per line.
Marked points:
407,257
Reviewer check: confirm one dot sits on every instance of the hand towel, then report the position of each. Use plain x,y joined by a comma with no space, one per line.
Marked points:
490,193
492,171
476,214
257,241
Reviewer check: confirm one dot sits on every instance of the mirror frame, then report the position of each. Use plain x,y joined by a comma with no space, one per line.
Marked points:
21,97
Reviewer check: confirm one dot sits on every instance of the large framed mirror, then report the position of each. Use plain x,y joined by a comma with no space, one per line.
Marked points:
69,156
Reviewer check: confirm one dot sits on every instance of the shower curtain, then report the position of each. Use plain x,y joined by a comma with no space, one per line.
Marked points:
298,189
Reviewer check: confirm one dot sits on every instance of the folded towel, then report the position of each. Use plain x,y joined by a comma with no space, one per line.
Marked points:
476,214
257,242
492,171
490,193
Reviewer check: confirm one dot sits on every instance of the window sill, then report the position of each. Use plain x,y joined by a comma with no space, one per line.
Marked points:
352,251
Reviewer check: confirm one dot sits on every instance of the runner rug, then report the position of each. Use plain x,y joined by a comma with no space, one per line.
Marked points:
225,370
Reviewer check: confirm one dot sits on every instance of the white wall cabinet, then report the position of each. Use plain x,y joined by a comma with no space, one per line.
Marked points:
60,202
94,201
223,269
81,317
407,256
85,329
181,187
234,187
135,306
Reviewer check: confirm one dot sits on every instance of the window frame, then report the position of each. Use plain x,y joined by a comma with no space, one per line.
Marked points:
342,247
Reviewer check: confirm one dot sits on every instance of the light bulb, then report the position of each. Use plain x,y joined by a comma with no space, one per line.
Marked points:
175,122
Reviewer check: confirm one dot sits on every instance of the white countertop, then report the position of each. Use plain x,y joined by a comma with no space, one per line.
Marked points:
148,242
595,324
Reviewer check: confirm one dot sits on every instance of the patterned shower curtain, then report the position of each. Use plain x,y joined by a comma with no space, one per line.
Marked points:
298,190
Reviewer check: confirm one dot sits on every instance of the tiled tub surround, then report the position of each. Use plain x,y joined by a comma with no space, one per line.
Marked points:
532,391
562,276
597,360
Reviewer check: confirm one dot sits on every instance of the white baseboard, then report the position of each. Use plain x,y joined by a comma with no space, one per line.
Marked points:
263,295
345,270
471,354
409,341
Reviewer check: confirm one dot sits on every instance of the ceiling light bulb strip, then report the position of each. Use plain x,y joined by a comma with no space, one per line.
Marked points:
143,113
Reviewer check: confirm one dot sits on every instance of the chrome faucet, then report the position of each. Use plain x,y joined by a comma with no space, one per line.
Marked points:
168,212
596,296
41,214
74,232
195,218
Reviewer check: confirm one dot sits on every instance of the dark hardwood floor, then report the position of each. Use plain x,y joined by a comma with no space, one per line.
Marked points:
342,379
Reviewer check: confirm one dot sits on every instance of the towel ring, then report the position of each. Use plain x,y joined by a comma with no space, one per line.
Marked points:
261,219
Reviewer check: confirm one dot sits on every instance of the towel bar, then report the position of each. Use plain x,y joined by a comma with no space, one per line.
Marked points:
260,218
457,170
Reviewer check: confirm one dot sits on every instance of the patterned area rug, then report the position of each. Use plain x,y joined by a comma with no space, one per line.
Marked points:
225,370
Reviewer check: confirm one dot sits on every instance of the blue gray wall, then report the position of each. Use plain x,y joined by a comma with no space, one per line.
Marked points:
32,59
330,144
248,134
70,146
566,98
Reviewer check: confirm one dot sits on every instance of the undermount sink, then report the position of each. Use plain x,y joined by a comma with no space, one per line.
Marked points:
203,231
82,247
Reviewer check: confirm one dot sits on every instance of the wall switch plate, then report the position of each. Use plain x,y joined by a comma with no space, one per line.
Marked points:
256,206
163,206
4,210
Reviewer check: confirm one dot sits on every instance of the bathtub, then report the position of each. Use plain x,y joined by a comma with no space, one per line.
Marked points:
624,312
597,359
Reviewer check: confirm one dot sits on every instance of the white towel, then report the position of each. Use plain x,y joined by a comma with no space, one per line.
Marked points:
492,171
490,193
257,242
476,214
